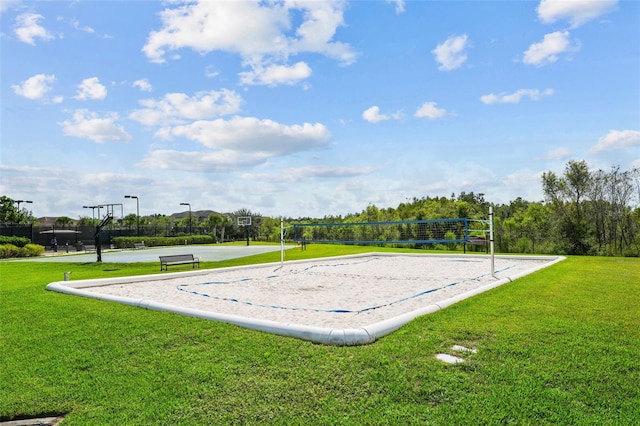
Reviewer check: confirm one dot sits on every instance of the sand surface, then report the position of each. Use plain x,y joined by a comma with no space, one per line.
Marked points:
340,293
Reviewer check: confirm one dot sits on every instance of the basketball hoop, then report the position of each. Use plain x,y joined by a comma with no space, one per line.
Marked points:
244,221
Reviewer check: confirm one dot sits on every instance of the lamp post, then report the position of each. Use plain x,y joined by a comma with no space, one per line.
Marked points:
93,211
18,216
188,204
137,211
22,201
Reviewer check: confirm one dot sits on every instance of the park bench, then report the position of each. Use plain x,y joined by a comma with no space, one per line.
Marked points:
89,247
137,246
178,259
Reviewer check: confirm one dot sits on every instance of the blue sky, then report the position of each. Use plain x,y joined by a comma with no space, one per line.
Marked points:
309,108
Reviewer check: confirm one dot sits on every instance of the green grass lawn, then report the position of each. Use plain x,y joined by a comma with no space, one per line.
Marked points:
561,346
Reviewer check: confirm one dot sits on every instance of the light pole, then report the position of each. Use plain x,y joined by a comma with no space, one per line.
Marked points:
18,208
93,211
137,210
188,204
22,201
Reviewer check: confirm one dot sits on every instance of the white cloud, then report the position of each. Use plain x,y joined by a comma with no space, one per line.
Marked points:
213,161
274,75
522,183
372,115
249,134
143,84
6,4
327,171
558,154
88,125
207,26
450,54
294,174
431,111
546,52
90,88
35,87
617,139
399,5
577,12
76,24
514,98
211,72
28,29
175,108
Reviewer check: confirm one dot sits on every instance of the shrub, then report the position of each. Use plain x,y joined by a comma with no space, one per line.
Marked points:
15,241
28,250
8,250
31,250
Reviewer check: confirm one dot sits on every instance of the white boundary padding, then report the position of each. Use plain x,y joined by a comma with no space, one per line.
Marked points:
324,335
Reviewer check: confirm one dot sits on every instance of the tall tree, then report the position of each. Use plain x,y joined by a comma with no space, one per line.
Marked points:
567,194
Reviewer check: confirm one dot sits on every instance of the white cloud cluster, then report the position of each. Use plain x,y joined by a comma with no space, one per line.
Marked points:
28,28
177,108
548,50
451,54
86,124
236,144
577,12
143,84
36,87
212,161
617,139
426,110
85,28
400,5
7,4
274,75
307,172
227,144
431,111
558,154
516,97
91,88
295,174
250,134
373,115
264,46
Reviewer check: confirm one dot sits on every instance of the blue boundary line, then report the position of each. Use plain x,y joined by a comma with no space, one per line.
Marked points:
182,287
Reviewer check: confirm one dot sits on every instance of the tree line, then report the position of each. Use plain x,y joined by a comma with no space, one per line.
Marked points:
594,212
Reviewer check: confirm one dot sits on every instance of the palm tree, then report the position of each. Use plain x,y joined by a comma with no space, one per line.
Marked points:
212,223
226,221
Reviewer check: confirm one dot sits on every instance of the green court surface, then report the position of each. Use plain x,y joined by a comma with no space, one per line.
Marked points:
204,253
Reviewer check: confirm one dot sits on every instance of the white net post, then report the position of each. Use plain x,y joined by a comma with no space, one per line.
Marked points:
281,242
493,269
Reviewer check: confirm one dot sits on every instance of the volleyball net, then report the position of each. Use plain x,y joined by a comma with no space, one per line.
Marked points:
432,231
410,232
